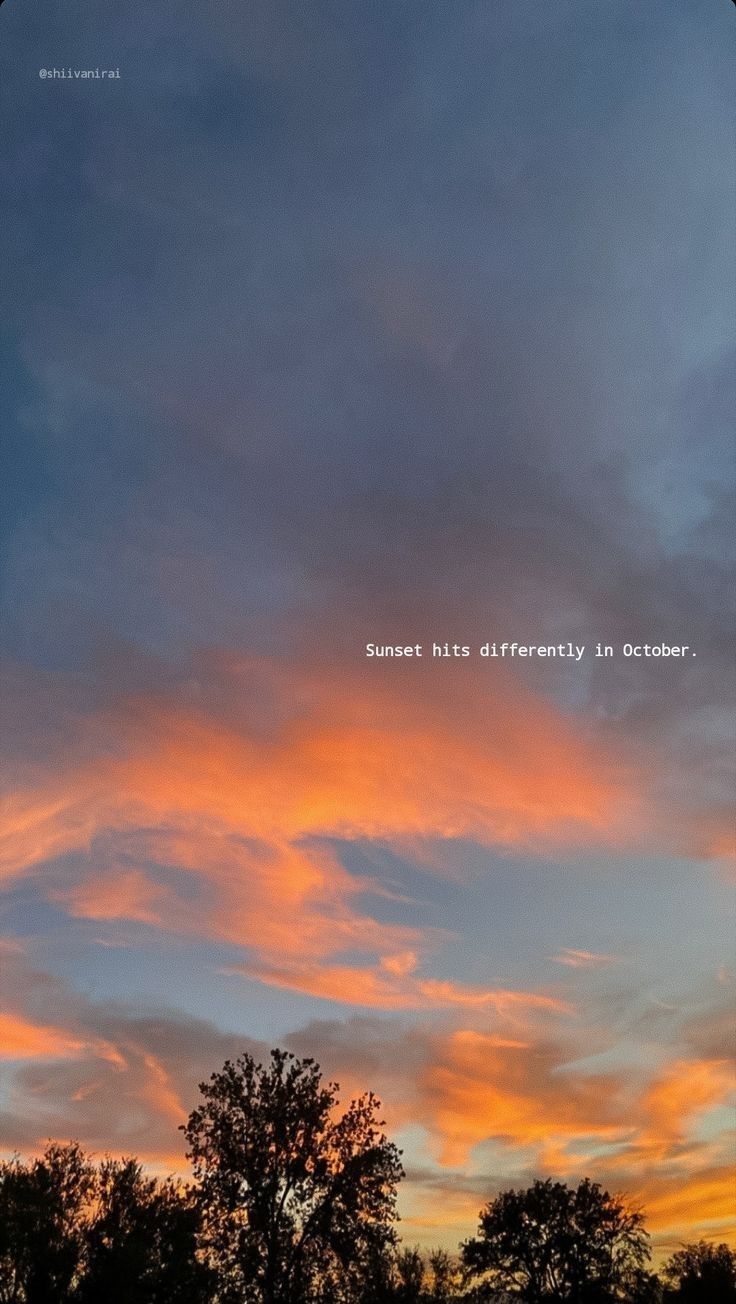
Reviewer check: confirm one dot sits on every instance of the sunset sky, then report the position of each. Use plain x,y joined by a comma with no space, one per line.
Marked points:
336,322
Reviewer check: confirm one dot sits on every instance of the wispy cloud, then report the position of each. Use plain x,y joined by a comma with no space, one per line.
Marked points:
382,987
575,959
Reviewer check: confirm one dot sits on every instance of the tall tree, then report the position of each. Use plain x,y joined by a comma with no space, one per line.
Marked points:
702,1273
555,1243
298,1200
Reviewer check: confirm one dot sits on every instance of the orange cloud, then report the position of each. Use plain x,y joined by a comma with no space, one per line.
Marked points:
122,1083
441,1215
242,809
680,1096
701,1204
357,760
479,1087
393,986
160,1092
525,1096
57,816
129,894
20,1039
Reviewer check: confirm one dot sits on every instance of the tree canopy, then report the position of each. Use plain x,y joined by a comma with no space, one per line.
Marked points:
298,1200
44,1217
72,1232
552,1242
702,1273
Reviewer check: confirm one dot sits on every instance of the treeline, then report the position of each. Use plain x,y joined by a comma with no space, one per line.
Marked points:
293,1202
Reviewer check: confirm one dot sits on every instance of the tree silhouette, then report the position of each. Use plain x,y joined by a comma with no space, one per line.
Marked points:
702,1274
43,1225
444,1273
410,1275
72,1232
554,1243
298,1202
142,1240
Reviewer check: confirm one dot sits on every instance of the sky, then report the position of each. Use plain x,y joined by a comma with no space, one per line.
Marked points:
334,323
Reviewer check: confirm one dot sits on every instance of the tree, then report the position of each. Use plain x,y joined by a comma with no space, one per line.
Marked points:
43,1225
298,1201
409,1277
702,1274
554,1243
377,1277
443,1268
72,1232
646,1288
142,1241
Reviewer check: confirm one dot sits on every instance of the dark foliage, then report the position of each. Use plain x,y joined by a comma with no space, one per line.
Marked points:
701,1274
555,1243
72,1232
299,1203
142,1241
44,1219
410,1277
